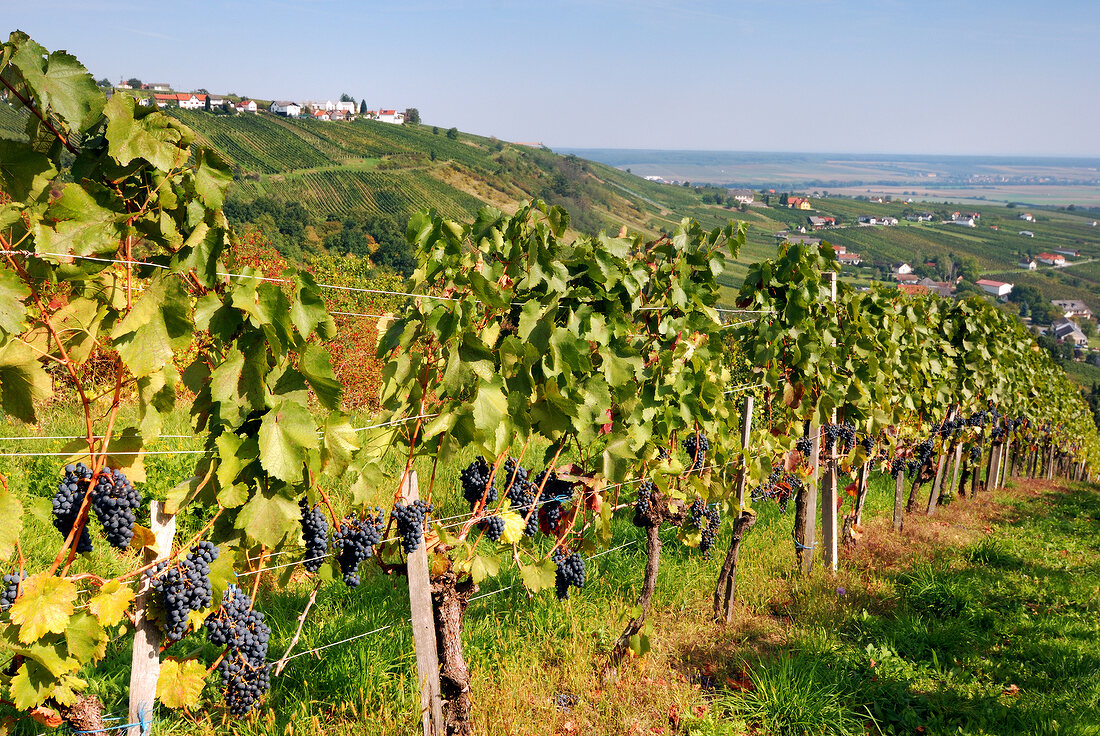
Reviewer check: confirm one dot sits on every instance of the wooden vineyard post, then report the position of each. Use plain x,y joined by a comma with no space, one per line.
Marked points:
805,520
899,499
1006,466
145,665
423,624
934,495
953,488
828,510
829,480
746,430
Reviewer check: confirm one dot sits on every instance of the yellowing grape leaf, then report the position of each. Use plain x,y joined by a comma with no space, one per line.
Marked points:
44,607
484,566
110,604
180,683
30,686
540,576
12,513
513,527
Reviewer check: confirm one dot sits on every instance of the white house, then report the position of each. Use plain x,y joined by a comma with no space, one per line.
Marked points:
348,107
998,289
903,269
1027,233
216,101
876,220
160,87
391,116
1066,330
742,196
315,105
922,217
1073,308
1051,259
1027,265
965,220
191,101
848,259
1027,216
286,108
123,84
246,106
319,114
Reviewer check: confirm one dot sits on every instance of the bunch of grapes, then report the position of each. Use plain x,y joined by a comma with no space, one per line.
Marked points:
244,684
896,466
183,588
710,531
411,520
475,478
696,512
68,500
555,487
696,446
240,627
315,536
645,498
779,486
830,432
846,434
868,445
11,589
514,474
493,526
550,514
570,571
975,453
115,500
804,445
356,540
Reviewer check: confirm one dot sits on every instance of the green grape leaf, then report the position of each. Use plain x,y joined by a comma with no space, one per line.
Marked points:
24,172
23,381
284,435
484,566
269,517
313,364
59,83
86,638
78,222
139,134
159,324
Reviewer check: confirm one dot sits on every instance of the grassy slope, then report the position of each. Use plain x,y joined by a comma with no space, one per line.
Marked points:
930,630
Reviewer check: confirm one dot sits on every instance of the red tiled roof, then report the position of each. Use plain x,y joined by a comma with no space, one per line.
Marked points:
913,289
989,282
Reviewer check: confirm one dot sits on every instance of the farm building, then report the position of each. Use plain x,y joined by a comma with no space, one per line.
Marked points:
999,289
1051,259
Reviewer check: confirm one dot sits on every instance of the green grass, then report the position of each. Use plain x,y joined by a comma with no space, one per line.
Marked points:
930,643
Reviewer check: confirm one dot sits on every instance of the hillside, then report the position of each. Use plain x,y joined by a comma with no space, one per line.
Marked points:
369,169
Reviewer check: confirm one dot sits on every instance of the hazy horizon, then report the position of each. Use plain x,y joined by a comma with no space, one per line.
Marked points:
933,78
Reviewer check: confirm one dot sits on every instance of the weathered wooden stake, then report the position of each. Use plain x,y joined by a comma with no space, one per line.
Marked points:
934,494
828,511
746,430
423,626
899,500
804,534
955,469
145,666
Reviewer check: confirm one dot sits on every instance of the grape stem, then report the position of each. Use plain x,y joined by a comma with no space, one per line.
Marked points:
301,622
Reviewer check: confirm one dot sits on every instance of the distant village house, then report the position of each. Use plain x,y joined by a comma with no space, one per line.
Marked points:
286,108
999,289
1051,259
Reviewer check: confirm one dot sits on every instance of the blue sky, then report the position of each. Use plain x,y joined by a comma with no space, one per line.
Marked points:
929,76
